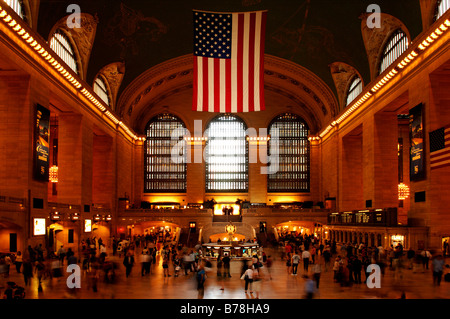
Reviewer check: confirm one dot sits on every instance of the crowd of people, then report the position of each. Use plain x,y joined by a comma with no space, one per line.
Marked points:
304,255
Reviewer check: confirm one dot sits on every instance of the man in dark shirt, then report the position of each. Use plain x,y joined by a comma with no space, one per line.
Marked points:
226,265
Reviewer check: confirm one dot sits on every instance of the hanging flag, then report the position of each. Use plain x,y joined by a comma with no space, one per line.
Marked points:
229,61
439,148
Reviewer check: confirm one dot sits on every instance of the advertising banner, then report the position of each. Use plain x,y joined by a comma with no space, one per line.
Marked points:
41,144
417,160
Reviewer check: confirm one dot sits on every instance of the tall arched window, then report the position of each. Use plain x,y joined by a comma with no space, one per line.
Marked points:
101,90
17,6
354,90
62,47
396,46
162,173
226,155
441,8
294,168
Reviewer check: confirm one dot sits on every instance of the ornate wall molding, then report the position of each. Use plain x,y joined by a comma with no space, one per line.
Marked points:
428,10
301,86
82,39
113,73
375,39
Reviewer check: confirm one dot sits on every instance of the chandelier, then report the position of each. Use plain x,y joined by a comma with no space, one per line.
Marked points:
403,191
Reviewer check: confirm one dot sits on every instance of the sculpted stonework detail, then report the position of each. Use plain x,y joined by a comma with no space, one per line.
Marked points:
376,38
114,74
342,74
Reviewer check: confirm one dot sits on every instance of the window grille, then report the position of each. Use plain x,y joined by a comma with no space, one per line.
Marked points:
101,90
162,174
61,45
294,155
354,90
226,155
396,46
441,8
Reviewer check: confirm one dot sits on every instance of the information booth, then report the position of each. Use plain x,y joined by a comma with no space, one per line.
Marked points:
235,250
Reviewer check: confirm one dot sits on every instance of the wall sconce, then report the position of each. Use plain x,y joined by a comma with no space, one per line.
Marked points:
55,216
97,218
108,218
74,217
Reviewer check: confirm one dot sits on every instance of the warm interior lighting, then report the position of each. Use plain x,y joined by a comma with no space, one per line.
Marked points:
403,191
53,174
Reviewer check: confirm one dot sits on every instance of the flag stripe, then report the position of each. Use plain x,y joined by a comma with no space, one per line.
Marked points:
240,63
228,87
195,86
441,157
205,84
261,61
216,85
251,66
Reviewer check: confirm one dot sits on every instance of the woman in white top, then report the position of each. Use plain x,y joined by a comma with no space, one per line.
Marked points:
248,277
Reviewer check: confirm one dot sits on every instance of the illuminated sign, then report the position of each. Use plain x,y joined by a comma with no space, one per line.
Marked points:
38,226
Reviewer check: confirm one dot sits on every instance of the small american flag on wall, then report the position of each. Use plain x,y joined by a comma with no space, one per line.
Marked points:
229,61
439,148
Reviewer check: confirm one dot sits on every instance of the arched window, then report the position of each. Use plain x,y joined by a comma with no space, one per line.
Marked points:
441,8
162,173
294,168
17,6
101,90
62,47
226,155
354,90
397,44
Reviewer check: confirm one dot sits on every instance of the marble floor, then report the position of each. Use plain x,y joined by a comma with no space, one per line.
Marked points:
417,285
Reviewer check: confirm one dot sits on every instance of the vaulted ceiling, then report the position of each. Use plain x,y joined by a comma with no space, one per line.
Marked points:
311,33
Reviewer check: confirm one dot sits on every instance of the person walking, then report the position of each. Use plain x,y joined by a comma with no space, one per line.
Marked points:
128,262
201,278
309,287
226,265
257,278
317,270
306,255
18,261
248,278
295,261
426,255
438,267
27,271
288,262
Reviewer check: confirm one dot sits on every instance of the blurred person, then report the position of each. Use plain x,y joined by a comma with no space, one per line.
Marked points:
255,260
357,268
336,268
269,266
306,255
128,262
288,262
327,257
71,259
257,278
226,265
18,262
316,270
27,271
177,266
40,270
219,266
410,255
144,262
437,265
309,287
201,278
165,266
426,255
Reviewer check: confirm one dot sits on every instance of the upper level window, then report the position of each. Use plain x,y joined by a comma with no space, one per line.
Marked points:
354,90
162,174
441,8
396,46
227,155
101,90
293,173
17,6
61,45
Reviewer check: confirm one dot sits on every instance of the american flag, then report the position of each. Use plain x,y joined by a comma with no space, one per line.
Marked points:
439,148
229,61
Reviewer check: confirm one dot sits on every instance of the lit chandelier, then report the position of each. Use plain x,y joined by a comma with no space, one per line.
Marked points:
403,191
